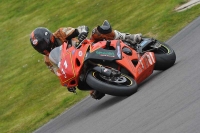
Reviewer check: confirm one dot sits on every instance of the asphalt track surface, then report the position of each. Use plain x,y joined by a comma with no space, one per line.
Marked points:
167,102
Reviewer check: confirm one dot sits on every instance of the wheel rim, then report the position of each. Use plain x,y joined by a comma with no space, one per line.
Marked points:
121,80
163,49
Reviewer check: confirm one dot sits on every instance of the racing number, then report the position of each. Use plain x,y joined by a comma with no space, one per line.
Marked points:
62,70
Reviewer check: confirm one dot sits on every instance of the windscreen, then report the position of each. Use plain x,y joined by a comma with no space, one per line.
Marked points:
54,56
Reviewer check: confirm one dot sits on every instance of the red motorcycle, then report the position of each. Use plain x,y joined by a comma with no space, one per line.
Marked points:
112,67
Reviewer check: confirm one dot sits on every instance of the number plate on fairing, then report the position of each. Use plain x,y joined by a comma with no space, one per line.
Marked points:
67,68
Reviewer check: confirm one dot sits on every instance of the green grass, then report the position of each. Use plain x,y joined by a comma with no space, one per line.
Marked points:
29,94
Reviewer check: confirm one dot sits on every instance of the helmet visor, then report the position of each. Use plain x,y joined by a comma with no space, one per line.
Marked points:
44,47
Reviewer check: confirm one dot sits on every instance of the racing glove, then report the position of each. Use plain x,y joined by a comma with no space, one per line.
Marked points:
83,32
82,36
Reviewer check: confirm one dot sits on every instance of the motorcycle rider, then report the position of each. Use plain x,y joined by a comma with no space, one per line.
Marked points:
43,41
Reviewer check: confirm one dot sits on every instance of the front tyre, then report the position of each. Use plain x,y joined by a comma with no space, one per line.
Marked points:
165,57
121,86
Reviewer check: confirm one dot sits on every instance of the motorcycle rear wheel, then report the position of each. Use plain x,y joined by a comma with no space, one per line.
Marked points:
165,57
123,86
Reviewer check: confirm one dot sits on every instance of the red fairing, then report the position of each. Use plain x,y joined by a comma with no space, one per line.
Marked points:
72,60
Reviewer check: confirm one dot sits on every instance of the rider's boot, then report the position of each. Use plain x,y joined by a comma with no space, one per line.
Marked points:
133,39
96,94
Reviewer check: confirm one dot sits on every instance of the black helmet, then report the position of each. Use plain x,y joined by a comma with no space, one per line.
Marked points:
42,40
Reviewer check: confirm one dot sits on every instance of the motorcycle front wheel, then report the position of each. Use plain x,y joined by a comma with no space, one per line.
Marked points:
122,85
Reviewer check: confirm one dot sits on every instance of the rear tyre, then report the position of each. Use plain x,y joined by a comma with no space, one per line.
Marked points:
121,86
165,57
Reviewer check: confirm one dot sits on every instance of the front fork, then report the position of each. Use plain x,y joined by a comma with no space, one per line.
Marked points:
107,71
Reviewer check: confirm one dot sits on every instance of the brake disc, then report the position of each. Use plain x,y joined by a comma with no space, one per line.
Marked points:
120,79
